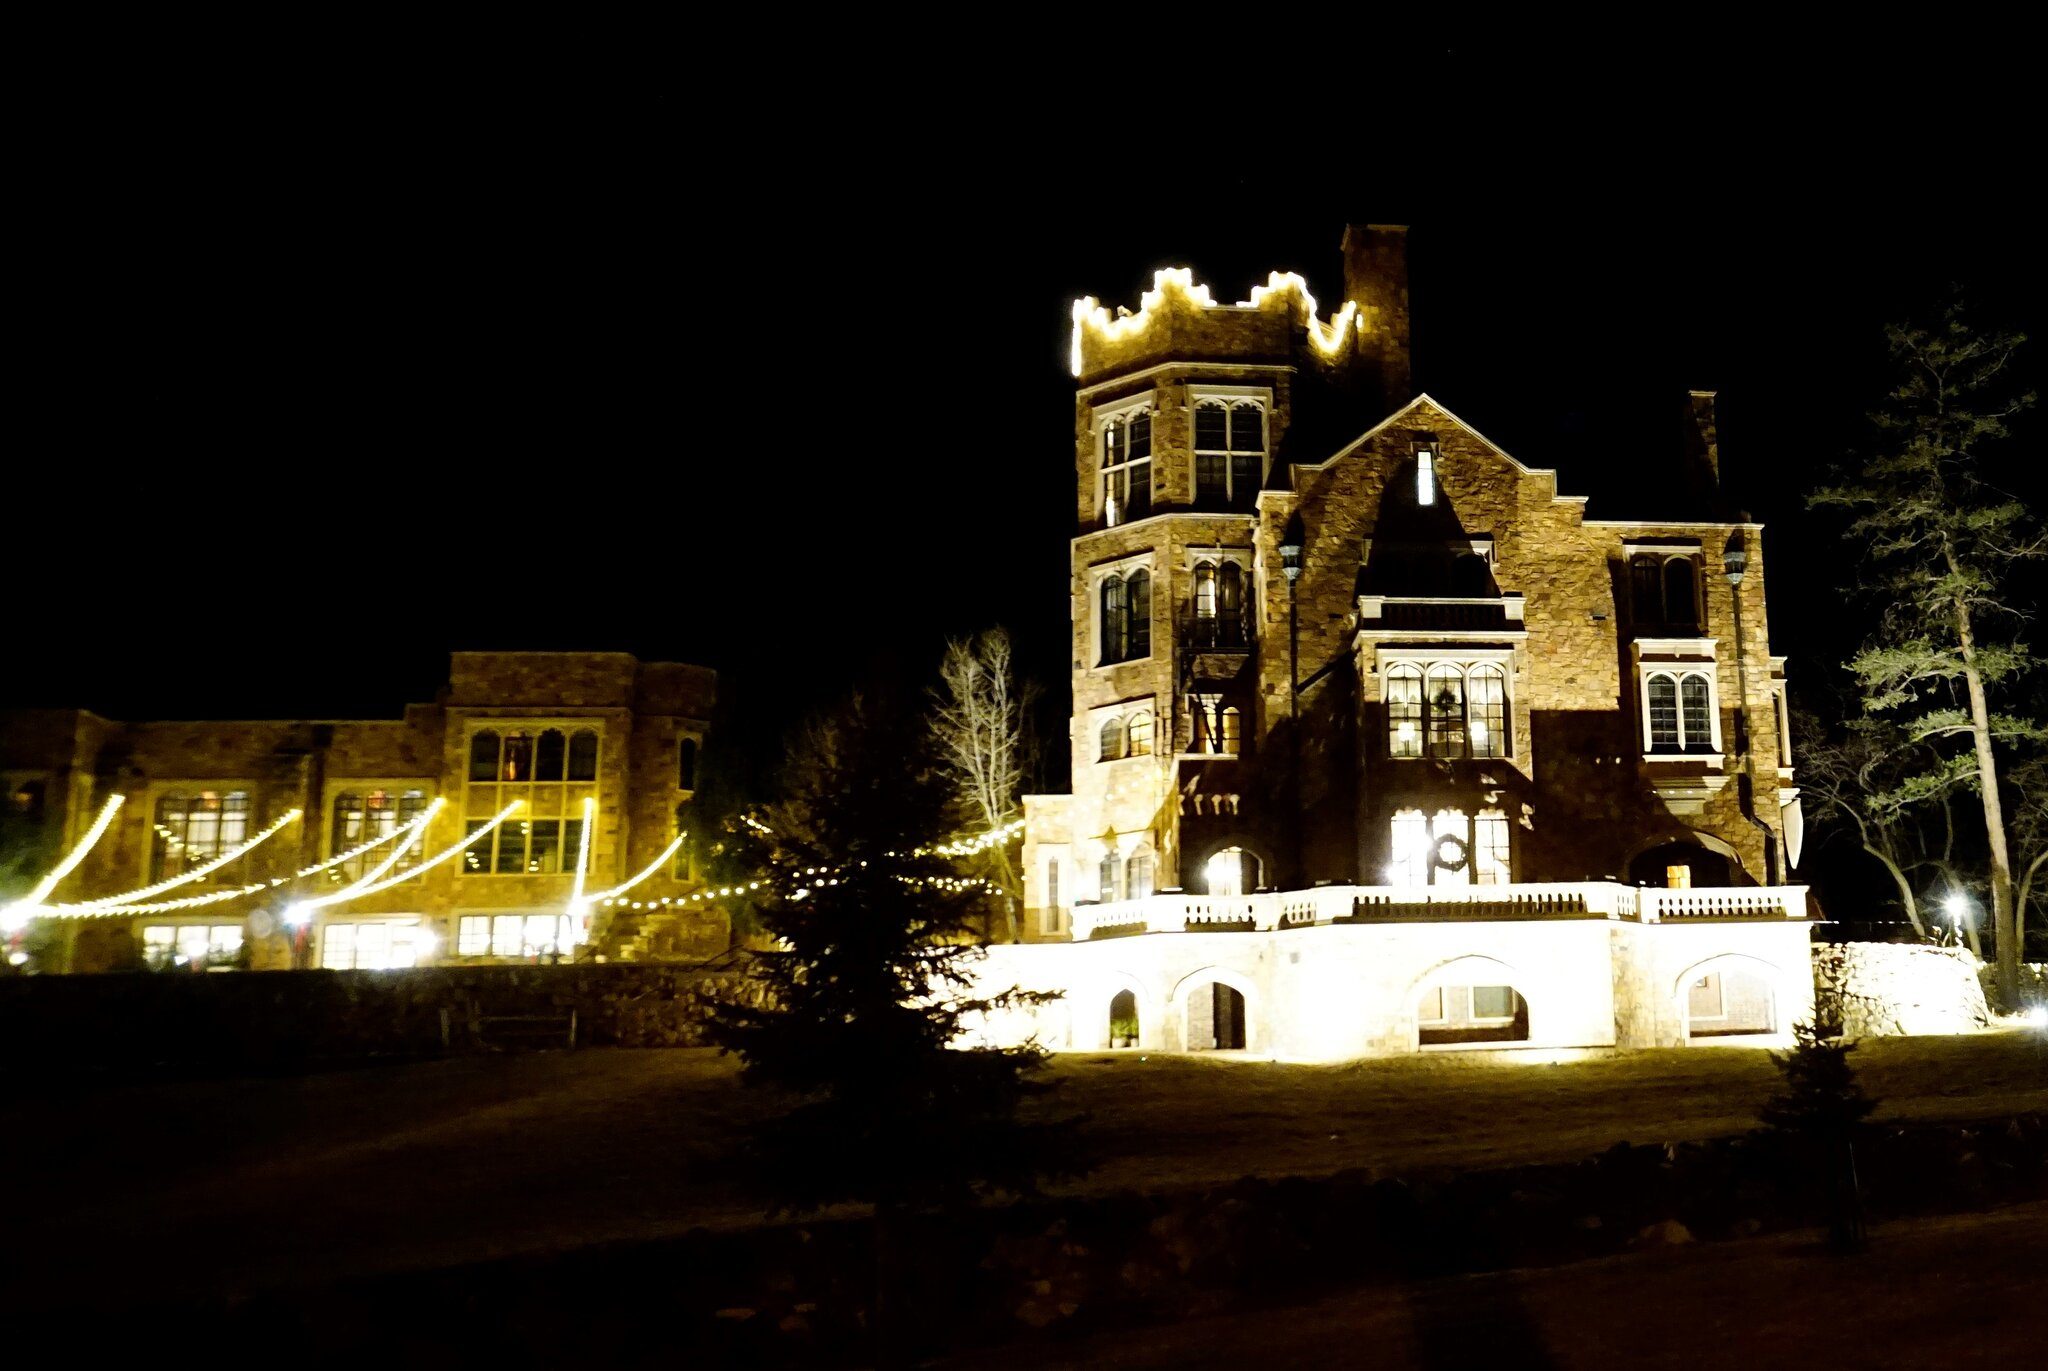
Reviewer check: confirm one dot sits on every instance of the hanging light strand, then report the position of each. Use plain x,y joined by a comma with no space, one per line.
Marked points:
77,853
657,864
370,887
199,872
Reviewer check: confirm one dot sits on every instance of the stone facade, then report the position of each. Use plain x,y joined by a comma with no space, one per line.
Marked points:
1492,566
63,764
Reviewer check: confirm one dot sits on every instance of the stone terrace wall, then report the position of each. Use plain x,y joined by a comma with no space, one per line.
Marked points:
141,1023
1885,989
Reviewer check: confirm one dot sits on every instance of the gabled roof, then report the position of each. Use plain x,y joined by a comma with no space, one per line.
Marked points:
1425,398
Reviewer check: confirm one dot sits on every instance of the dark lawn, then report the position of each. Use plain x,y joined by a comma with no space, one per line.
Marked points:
227,1185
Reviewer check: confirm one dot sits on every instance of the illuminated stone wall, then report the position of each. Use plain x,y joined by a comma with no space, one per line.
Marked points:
1883,989
1340,991
641,710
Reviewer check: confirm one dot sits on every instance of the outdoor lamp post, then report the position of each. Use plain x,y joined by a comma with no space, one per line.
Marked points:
1957,907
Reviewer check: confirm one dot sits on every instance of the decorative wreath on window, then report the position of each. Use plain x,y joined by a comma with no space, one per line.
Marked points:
1451,854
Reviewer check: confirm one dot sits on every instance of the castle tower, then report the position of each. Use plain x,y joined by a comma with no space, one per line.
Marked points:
1186,412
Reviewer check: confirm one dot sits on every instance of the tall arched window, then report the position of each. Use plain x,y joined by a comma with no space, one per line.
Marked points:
1138,615
1233,732
483,756
1112,619
1681,598
360,817
518,757
1645,592
1696,713
583,755
1445,690
1404,710
548,755
1127,467
686,764
1110,742
1663,695
1450,839
1138,734
1205,590
1105,878
1491,859
1487,711
1230,451
1138,876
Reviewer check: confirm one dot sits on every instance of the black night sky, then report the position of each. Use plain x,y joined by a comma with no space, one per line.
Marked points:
328,375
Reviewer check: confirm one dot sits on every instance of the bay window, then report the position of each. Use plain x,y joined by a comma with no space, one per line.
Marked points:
1447,710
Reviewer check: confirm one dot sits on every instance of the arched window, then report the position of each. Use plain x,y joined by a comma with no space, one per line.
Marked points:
1112,620
1663,695
548,754
192,829
1123,1019
1491,858
518,758
1138,615
1138,876
1105,878
1404,710
1233,732
1681,599
1696,713
686,764
1410,860
1645,592
1110,741
1231,626
1450,848
1445,690
1487,706
583,755
1233,871
1205,590
483,756
1138,734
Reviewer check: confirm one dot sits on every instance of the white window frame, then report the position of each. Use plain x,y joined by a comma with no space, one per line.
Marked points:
1121,411
1679,658
1229,397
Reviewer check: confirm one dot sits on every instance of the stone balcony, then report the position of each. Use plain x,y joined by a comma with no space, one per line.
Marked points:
1440,613
1176,912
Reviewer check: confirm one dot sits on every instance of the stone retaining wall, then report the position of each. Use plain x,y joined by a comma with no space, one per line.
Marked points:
1886,989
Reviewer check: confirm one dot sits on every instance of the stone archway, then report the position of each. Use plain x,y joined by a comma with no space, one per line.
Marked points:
1216,1010
1730,996
1708,862
1469,1000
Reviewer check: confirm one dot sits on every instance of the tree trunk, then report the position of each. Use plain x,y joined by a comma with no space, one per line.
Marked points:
1905,887
2002,921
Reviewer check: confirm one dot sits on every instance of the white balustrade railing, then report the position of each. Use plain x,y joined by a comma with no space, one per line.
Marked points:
1177,912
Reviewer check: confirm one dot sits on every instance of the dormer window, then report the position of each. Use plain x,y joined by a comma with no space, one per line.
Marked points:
1230,452
1126,453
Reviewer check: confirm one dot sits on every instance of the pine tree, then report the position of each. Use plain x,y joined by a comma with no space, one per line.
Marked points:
1822,1108
864,988
1940,541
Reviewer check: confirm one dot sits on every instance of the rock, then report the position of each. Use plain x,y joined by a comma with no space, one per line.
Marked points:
1670,1233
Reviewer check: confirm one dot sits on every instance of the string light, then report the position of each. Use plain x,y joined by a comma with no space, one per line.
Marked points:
15,917
1091,316
186,878
368,886
608,896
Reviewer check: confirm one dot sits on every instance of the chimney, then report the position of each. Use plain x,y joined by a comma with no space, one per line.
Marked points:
1702,451
1376,279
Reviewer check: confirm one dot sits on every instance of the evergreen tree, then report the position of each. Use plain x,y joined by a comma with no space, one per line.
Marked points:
864,991
1940,541
1822,1108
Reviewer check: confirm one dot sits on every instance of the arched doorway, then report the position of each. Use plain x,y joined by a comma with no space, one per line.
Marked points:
1234,871
1123,1019
1729,997
1459,1010
1700,866
1216,1018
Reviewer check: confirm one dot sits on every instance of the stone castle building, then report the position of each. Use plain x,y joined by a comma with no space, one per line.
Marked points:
548,729
1345,669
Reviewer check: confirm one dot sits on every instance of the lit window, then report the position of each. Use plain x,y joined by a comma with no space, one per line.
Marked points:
378,945
1411,854
1230,453
1138,733
552,773
1487,713
1404,711
1493,1002
1105,878
195,947
1052,883
1450,848
1425,476
362,816
193,829
1445,692
1490,854
1127,467
473,935
1217,729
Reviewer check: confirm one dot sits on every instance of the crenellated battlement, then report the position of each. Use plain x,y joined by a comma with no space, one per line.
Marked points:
1180,318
